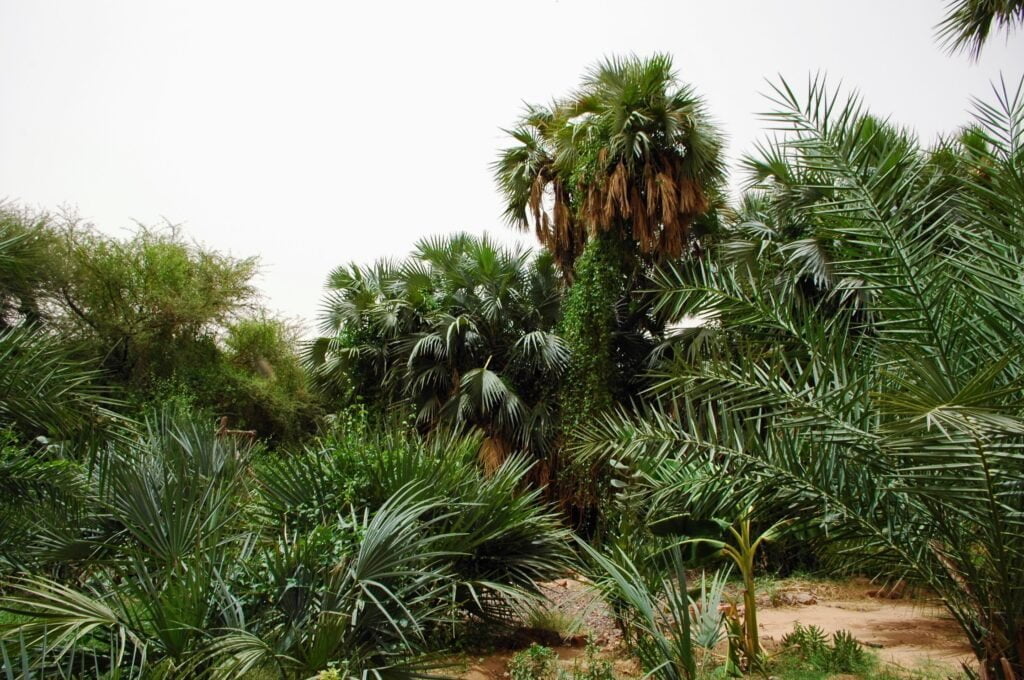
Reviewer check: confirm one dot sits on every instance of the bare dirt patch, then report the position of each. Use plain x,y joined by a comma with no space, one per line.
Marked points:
904,633
909,633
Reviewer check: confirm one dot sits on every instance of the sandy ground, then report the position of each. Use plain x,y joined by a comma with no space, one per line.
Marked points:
906,633
909,633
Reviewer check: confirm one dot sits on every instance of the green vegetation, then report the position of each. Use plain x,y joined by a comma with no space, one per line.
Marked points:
461,334
540,663
832,364
968,23
882,398
534,663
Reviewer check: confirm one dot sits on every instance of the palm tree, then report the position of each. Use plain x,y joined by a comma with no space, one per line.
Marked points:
631,152
899,430
968,23
185,557
462,332
621,173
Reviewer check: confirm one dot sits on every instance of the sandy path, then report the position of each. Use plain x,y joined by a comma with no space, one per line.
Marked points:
908,633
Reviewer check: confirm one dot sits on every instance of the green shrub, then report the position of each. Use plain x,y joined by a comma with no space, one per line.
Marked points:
534,663
504,539
810,644
593,667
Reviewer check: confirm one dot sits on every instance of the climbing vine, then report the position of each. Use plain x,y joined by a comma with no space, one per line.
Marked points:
588,327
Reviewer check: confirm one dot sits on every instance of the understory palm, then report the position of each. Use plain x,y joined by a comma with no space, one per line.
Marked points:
179,556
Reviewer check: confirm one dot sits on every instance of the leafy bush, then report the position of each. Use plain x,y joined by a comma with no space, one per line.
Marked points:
505,540
534,663
147,317
541,663
176,577
592,666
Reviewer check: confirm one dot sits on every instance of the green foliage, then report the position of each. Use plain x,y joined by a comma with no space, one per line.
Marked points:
26,267
652,607
708,621
543,616
506,541
148,301
886,406
186,563
589,322
630,153
36,483
844,655
261,380
541,663
592,666
968,23
613,177
46,390
461,332
534,663
153,316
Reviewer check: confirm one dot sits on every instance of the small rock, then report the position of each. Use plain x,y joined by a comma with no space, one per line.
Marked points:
805,599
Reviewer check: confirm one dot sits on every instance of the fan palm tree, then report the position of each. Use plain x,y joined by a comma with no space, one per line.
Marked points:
901,429
161,550
621,173
632,152
462,331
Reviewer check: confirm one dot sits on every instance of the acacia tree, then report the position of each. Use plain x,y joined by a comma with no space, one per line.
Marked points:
45,389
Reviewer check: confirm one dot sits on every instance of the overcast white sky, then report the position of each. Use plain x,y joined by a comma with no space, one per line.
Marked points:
316,133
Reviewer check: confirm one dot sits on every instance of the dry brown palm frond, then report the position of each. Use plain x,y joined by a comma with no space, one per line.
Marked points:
493,452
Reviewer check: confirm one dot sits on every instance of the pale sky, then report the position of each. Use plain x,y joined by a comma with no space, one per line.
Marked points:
312,134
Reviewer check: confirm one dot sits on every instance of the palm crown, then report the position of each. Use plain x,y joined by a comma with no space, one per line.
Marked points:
632,151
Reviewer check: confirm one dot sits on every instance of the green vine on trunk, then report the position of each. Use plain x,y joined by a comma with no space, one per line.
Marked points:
588,327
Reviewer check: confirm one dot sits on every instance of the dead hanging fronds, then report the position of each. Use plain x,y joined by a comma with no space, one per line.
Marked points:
655,205
631,150
493,452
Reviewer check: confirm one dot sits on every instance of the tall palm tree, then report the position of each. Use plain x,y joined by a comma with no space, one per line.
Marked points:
901,431
620,173
632,152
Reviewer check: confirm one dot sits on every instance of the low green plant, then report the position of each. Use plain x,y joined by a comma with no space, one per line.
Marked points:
542,616
503,539
810,645
593,666
534,663
708,619
654,611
